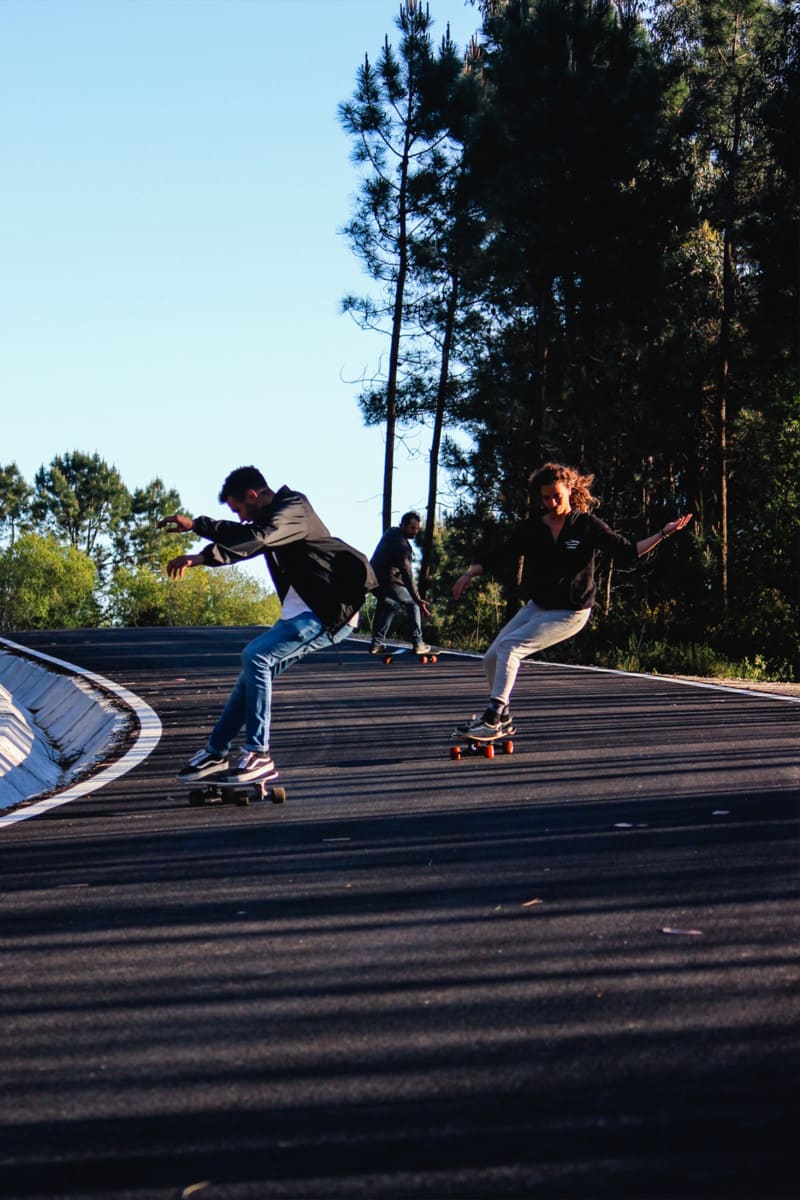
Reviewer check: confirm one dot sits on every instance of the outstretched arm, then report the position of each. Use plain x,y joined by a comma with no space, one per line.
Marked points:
177,523
177,567
650,543
463,581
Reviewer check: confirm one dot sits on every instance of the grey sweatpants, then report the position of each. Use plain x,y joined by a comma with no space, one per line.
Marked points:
531,629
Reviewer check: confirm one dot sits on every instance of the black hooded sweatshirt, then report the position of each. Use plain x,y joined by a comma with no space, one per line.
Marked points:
558,573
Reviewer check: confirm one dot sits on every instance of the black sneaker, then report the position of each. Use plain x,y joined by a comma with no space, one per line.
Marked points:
490,725
378,648
203,764
251,768
483,729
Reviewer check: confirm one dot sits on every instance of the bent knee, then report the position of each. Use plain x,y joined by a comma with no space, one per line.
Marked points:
256,658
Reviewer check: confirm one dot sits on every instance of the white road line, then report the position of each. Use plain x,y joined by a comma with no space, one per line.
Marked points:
695,683
146,742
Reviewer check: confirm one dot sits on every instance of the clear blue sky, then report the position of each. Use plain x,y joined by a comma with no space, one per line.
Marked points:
171,264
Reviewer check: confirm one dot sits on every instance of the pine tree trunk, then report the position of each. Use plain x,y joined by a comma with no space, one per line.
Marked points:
394,349
728,306
436,439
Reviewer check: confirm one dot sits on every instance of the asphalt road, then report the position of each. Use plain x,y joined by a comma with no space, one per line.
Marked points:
419,977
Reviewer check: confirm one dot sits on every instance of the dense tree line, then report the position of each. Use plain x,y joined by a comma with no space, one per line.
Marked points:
78,548
596,225
583,232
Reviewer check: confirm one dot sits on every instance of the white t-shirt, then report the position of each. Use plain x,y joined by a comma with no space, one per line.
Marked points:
293,605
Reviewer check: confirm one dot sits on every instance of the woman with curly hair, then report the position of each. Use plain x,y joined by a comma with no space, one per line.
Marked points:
558,543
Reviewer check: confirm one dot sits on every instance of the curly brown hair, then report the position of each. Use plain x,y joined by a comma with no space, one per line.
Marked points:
580,496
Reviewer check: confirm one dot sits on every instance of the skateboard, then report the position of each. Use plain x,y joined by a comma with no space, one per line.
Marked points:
463,744
218,793
390,655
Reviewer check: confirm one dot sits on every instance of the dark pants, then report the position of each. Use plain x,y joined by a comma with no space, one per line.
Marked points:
389,605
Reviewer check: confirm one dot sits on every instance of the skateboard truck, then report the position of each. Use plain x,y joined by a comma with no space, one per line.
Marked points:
423,658
485,747
220,793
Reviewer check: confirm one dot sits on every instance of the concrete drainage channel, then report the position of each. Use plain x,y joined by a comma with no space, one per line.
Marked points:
58,725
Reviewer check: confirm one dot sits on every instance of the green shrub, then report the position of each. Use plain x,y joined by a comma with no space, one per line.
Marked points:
203,597
45,584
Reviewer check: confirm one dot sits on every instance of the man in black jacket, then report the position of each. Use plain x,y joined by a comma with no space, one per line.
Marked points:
321,582
392,564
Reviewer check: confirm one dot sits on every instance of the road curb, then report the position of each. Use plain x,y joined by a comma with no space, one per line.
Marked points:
67,706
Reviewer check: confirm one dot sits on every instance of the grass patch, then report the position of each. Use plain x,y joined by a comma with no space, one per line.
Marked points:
656,657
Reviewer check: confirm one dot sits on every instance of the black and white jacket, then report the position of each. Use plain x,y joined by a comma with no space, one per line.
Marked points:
558,573
331,577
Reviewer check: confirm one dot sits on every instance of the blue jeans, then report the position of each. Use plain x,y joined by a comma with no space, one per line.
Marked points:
263,659
389,605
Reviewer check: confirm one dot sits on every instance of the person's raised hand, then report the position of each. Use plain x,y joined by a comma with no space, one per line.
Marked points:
676,525
177,567
461,585
176,523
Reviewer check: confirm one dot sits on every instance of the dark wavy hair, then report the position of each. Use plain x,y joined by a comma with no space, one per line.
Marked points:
242,480
580,496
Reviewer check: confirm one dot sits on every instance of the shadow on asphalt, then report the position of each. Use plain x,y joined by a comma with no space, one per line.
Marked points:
569,972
